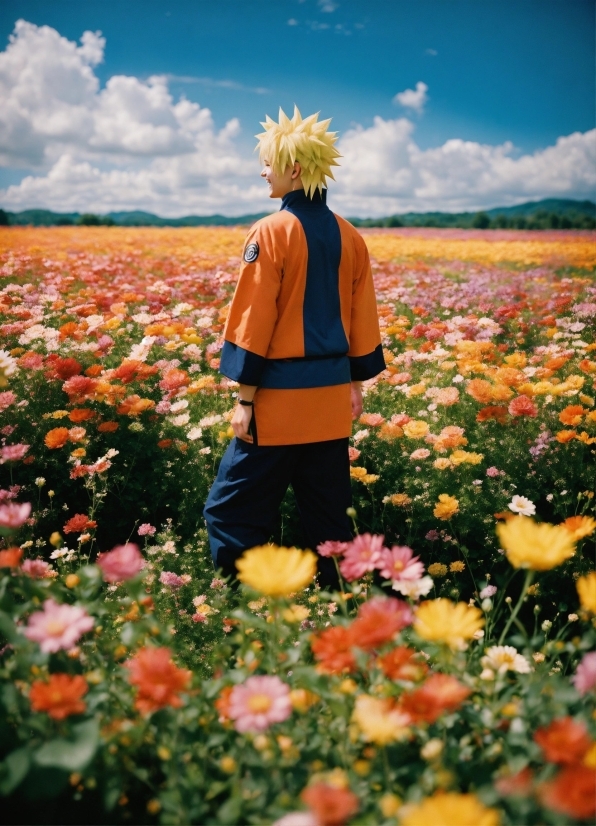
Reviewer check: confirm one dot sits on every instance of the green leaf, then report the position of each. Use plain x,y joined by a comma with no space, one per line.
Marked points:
8,629
14,768
71,755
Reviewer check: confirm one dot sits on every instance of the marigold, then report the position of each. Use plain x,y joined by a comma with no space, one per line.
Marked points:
60,696
571,792
57,437
465,457
277,571
440,693
403,663
415,429
580,526
449,809
446,507
440,620
332,806
564,436
437,569
572,414
538,547
159,681
586,589
380,720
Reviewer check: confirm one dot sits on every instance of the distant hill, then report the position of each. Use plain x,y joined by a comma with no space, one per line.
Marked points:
550,213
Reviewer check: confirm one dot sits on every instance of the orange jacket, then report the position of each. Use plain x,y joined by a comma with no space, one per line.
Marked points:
303,322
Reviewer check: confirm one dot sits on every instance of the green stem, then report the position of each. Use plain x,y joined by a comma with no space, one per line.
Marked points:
514,613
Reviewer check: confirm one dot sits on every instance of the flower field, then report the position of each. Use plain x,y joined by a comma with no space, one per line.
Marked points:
451,682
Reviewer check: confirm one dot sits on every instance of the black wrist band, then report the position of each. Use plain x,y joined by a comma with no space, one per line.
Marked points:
245,403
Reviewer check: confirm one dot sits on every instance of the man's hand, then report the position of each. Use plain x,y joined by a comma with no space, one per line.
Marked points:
241,422
356,396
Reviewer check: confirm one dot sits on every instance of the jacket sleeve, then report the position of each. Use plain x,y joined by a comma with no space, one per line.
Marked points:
366,352
253,312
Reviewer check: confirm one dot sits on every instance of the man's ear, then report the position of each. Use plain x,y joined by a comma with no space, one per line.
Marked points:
297,171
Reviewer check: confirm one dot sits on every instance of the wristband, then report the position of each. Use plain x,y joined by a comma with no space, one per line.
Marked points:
245,403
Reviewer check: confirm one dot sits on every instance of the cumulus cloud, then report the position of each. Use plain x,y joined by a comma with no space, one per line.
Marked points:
131,145
413,98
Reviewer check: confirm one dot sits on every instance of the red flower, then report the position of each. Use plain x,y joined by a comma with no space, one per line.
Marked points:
379,620
497,412
522,406
572,792
60,696
403,663
57,437
331,806
333,649
79,523
79,388
563,740
440,693
64,368
11,558
157,678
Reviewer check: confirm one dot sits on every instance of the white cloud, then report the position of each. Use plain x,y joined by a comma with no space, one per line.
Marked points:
431,52
131,145
328,6
413,98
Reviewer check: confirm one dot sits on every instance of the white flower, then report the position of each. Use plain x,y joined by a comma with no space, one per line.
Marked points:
40,481
456,379
8,365
205,451
208,421
59,553
502,658
194,433
178,406
519,504
361,434
414,588
183,419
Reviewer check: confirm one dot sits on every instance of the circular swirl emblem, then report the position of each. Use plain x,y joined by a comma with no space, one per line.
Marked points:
251,253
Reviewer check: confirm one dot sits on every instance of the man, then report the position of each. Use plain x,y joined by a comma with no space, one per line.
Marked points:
301,334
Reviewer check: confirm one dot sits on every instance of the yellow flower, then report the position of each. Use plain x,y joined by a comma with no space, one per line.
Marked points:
378,720
580,526
400,500
277,571
460,457
302,699
389,804
586,588
437,569
446,507
358,472
449,809
370,478
440,620
296,613
539,547
442,464
457,567
416,429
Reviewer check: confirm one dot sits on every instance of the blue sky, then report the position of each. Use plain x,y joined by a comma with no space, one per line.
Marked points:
506,79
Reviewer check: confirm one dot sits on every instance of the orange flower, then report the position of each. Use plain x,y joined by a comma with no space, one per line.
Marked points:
391,431
133,405
57,437
519,783
580,526
165,443
403,663
222,704
522,406
556,363
331,806
372,419
81,414
11,558
563,741
78,523
173,379
157,678
497,412
60,696
572,414
480,390
94,370
571,792
108,427
565,436
440,693
378,621
333,649
131,370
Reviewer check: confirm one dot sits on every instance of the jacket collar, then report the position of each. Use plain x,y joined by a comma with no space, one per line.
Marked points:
299,199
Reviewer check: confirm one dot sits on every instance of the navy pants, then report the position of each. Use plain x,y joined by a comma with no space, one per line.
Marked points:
250,485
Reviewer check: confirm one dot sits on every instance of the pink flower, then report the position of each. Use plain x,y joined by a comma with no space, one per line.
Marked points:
58,626
172,580
6,399
146,529
363,554
584,678
400,419
12,453
420,453
522,406
37,569
493,472
199,618
489,591
258,703
217,583
353,453
332,548
122,562
432,536
14,515
399,563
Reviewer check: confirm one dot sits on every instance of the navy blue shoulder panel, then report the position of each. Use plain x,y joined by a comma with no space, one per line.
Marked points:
323,330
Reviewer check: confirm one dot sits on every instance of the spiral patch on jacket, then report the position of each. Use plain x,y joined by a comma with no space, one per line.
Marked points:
251,253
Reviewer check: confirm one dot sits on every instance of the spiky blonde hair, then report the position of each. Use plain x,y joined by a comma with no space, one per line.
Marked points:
306,141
